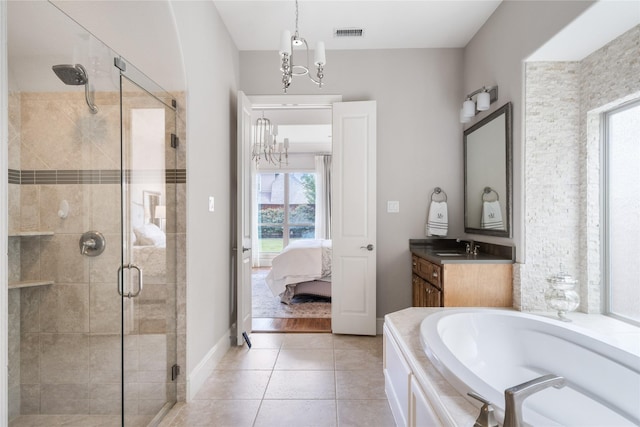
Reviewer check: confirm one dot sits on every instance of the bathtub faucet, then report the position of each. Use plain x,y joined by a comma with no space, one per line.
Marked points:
514,396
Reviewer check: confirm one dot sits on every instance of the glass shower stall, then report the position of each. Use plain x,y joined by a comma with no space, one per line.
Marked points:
93,183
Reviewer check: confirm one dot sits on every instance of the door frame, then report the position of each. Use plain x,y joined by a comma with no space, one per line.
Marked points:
266,102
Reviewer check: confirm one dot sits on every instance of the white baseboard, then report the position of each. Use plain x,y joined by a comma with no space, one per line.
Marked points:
201,372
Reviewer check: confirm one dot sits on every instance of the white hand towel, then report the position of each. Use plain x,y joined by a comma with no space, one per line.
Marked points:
437,220
492,216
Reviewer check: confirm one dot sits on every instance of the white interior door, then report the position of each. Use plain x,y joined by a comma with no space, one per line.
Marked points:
353,293
243,220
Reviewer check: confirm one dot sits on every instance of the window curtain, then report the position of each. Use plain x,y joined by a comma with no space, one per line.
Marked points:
323,197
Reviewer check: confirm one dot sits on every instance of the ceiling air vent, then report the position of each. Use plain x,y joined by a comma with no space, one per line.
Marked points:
348,32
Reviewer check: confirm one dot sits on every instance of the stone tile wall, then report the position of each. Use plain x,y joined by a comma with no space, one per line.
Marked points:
564,101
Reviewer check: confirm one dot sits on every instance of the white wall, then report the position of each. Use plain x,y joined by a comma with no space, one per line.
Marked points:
143,32
496,55
418,94
211,68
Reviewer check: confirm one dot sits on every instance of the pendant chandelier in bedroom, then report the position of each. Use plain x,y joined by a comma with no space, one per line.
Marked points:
266,146
288,68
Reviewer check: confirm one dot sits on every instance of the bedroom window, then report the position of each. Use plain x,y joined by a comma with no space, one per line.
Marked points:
621,211
286,209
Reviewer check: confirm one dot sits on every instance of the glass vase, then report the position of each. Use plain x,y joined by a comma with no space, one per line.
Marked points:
561,295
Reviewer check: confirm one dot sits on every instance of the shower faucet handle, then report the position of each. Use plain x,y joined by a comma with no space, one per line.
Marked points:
92,243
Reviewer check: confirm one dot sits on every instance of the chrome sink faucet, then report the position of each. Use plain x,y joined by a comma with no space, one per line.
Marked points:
470,247
514,396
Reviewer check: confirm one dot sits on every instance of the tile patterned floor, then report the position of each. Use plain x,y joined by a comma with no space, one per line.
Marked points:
293,380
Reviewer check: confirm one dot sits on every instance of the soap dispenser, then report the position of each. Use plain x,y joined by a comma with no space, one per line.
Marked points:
486,417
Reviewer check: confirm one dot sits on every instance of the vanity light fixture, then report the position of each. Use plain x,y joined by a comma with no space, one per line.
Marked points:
485,96
289,69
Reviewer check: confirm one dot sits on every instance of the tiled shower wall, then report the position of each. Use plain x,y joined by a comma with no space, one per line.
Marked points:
564,101
64,338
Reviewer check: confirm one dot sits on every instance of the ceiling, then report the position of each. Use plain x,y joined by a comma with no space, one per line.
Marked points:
390,24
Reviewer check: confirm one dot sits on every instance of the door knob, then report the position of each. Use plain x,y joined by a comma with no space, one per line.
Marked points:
369,247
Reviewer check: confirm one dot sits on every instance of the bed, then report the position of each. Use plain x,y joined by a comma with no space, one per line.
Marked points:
302,268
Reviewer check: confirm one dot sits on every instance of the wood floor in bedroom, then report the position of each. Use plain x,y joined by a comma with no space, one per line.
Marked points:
305,324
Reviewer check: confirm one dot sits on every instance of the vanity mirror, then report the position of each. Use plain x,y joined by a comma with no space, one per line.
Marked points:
488,174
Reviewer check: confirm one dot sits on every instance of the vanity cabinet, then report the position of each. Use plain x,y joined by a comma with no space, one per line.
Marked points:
425,294
461,284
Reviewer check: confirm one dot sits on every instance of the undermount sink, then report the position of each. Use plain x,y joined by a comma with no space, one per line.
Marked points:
449,254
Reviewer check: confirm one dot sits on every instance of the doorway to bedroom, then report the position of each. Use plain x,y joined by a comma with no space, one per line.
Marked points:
291,289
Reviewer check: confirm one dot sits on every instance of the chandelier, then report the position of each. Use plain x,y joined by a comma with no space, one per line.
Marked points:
288,68
265,145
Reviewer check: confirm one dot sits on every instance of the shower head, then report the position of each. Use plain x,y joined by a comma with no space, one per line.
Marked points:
75,75
71,74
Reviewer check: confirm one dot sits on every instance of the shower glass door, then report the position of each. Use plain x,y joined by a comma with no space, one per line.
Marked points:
148,271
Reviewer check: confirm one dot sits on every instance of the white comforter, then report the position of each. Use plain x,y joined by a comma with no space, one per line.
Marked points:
301,261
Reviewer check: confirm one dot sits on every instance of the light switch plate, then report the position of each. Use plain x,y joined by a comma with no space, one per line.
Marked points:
211,204
393,206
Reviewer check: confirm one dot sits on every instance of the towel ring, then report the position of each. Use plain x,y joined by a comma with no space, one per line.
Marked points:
437,191
487,193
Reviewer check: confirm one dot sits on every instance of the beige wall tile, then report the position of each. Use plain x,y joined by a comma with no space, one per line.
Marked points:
50,131
30,310
13,251
104,359
104,308
30,399
30,359
61,260
64,359
104,267
14,353
105,208
64,308
30,259
14,207
29,207
64,399
14,130
77,197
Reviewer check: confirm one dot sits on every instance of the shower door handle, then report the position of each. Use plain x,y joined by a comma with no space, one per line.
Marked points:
120,286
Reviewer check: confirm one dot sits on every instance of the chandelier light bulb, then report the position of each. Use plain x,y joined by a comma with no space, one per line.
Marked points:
319,56
285,43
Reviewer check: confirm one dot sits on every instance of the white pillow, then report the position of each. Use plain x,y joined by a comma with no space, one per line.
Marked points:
150,235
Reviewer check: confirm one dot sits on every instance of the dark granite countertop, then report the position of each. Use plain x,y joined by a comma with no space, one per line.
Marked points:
450,251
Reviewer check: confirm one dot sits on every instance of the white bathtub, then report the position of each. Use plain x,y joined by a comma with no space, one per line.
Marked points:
487,351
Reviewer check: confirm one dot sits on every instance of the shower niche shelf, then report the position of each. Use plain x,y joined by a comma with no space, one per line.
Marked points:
30,233
30,283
